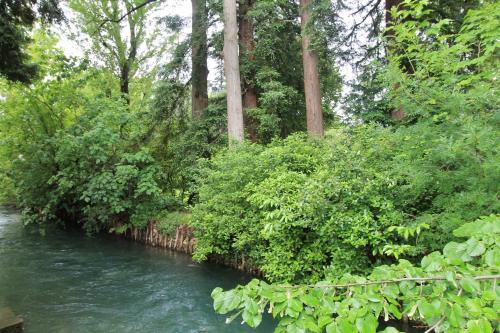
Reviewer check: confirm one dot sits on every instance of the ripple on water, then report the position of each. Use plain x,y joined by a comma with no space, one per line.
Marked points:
64,282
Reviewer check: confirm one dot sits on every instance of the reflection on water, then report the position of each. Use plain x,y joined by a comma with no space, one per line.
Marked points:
64,282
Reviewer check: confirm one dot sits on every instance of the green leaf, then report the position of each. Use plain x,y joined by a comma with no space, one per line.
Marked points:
455,316
474,247
252,319
331,328
216,292
279,308
294,307
310,324
428,312
469,284
451,253
466,230
367,324
324,321
479,326
292,328
473,306
226,301
432,262
395,311
310,300
492,258
251,306
344,326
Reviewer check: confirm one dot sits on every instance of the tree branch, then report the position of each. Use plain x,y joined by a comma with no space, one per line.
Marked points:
130,11
416,279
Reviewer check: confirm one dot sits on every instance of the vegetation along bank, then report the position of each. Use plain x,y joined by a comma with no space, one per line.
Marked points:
356,200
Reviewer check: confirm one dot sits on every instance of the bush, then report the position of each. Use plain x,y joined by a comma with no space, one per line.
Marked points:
452,291
302,209
87,174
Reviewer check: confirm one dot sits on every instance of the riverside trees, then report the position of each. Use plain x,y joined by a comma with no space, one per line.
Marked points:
298,208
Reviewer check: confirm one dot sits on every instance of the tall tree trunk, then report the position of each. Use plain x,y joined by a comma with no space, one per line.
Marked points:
124,82
126,69
199,74
247,45
399,112
312,88
232,71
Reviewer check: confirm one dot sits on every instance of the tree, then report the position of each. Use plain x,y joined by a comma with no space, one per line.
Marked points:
119,35
199,53
310,61
15,18
399,112
232,72
247,46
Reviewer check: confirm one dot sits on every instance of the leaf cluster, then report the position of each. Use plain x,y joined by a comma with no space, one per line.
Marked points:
453,291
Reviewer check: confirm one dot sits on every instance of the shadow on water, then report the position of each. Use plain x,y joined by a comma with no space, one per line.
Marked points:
64,282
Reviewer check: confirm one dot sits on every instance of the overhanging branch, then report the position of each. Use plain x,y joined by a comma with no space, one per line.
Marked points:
130,11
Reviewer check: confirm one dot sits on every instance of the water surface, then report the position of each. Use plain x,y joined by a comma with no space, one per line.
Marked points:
64,282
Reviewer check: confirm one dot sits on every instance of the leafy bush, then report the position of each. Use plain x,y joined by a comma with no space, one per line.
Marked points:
453,291
301,209
94,178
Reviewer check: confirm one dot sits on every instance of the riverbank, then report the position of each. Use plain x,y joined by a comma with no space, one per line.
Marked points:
183,240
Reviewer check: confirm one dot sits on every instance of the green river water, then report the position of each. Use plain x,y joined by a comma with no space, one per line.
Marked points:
64,282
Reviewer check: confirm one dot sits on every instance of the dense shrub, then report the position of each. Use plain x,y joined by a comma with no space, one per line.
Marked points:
363,196
87,173
453,291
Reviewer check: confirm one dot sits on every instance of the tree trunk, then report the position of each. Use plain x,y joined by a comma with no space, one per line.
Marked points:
247,45
312,88
199,70
124,82
232,71
399,112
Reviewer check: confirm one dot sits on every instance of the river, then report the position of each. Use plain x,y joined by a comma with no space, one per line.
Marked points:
65,282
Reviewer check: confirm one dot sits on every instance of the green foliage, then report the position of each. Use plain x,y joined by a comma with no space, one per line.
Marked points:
440,60
16,17
67,148
275,68
169,221
453,291
179,143
302,209
96,180
448,74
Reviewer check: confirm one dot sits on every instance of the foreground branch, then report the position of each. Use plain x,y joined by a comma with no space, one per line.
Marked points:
416,279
